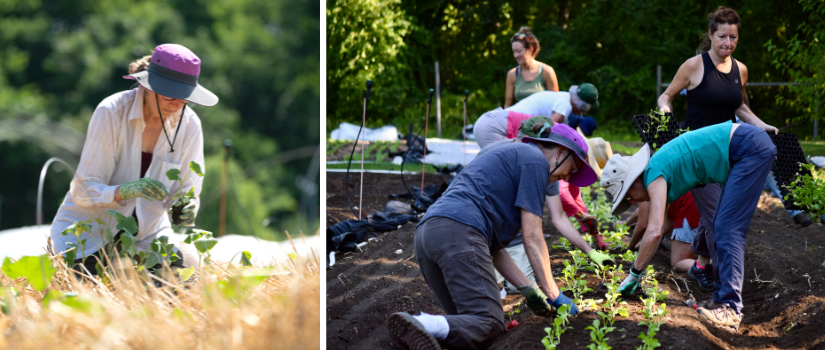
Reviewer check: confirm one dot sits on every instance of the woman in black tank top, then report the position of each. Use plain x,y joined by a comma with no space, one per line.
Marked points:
715,82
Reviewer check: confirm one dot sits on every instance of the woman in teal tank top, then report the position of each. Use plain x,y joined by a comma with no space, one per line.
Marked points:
737,156
530,76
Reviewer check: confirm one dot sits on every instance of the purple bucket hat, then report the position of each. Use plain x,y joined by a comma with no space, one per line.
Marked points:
567,137
173,72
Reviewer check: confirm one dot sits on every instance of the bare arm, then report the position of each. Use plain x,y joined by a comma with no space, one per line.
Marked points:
537,253
557,117
564,226
650,242
508,269
744,111
641,225
550,79
680,82
509,95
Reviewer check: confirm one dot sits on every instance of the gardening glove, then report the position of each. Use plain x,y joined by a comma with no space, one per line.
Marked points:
536,299
600,243
564,300
600,259
145,188
183,211
630,283
590,224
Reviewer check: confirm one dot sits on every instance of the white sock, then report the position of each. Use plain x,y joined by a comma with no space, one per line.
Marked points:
436,325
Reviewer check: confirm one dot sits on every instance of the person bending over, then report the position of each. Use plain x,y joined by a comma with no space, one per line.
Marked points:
737,156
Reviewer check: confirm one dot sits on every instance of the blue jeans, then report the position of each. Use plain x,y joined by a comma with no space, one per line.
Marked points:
752,155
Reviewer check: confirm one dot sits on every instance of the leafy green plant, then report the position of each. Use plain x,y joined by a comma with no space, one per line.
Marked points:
76,229
808,191
598,341
563,244
174,175
553,338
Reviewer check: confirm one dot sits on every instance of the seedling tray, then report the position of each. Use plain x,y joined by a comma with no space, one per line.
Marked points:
653,132
786,168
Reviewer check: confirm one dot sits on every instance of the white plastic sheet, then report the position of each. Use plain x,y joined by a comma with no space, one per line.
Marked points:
347,131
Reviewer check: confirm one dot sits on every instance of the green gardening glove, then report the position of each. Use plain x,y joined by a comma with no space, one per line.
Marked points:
536,299
145,188
630,283
600,259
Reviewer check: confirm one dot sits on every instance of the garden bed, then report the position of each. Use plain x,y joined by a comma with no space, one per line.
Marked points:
785,312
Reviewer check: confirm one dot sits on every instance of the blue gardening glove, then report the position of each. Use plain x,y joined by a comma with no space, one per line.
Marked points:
536,299
564,300
630,283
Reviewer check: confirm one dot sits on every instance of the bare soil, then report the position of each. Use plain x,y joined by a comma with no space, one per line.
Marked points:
787,312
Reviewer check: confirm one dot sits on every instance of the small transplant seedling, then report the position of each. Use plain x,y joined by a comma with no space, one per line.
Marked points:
553,338
808,192
174,175
598,341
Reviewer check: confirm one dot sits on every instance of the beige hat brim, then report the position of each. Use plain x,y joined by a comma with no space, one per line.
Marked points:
638,163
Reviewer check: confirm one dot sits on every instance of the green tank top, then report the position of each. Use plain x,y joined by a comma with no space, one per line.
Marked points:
691,160
525,88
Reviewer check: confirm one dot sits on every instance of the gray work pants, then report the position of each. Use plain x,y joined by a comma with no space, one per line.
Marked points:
706,198
456,263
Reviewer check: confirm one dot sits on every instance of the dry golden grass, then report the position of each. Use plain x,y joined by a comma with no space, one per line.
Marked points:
214,311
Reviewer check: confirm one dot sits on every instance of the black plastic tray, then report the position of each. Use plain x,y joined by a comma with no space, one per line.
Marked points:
656,134
786,168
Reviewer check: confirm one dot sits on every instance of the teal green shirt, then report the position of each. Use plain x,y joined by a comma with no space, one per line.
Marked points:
688,161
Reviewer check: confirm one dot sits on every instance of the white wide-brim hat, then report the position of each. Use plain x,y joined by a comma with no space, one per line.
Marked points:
620,172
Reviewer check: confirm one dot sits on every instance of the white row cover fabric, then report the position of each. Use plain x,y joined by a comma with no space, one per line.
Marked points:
347,131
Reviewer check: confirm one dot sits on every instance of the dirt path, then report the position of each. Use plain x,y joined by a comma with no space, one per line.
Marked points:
785,313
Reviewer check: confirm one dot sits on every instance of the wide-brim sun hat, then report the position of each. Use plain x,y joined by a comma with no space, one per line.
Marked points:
173,72
598,154
620,172
566,137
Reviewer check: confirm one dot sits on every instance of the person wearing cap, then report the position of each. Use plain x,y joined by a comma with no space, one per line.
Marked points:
738,156
459,241
531,127
558,105
134,138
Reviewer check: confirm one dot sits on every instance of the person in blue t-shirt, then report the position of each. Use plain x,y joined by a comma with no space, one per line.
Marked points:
459,242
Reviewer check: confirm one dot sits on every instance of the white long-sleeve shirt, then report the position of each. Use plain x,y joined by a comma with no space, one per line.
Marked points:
111,157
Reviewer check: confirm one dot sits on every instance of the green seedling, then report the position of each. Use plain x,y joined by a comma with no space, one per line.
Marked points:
77,229
563,244
553,338
174,175
580,260
808,191
598,341
510,314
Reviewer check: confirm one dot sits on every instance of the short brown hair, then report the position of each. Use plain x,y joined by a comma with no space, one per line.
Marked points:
139,65
525,37
722,15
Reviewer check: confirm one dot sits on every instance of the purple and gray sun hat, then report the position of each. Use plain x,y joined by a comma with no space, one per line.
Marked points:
173,72
566,137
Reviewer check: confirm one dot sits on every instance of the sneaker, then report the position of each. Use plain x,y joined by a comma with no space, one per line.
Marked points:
411,332
704,277
408,305
802,219
721,315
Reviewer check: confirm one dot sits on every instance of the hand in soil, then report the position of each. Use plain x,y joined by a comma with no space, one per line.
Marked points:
536,299
630,283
